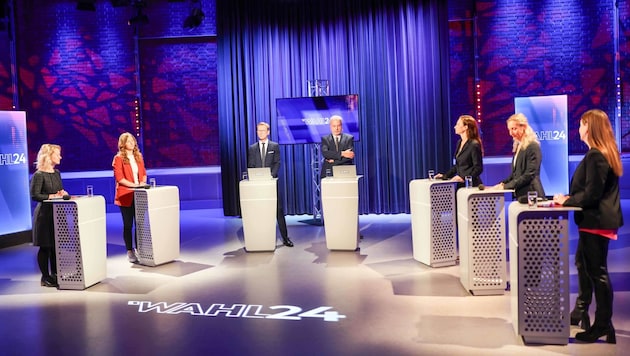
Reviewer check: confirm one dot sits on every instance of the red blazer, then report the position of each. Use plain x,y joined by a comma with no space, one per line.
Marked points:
124,195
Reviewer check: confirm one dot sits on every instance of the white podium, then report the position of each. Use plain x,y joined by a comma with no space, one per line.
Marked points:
259,204
80,241
482,234
433,221
340,206
539,272
157,224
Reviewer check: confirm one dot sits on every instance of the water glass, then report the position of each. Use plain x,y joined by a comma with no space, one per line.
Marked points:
468,181
532,200
329,173
90,190
431,174
244,176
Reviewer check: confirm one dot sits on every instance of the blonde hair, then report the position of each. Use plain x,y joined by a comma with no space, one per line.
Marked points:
601,136
122,140
44,161
529,136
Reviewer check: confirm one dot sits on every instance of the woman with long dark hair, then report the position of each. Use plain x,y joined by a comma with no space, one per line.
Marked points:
595,189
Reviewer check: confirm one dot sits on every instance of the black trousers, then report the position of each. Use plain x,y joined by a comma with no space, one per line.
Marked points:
282,224
591,260
128,215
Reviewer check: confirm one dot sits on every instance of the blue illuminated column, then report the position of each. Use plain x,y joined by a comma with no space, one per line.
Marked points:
547,115
15,207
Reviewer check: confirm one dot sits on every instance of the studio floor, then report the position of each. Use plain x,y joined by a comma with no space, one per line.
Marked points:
213,299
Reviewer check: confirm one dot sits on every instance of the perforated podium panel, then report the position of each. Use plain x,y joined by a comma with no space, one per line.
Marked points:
80,241
157,224
482,233
433,222
340,205
259,200
539,271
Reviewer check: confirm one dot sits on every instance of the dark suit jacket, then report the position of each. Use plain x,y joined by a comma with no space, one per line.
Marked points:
525,175
468,162
595,189
272,159
329,151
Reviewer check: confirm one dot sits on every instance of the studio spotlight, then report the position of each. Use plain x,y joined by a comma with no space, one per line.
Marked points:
86,5
140,18
120,3
194,19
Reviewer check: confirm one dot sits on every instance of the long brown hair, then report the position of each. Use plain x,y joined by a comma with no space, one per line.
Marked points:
472,131
122,140
601,136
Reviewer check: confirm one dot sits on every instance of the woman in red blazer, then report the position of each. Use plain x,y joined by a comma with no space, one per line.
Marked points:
595,189
129,172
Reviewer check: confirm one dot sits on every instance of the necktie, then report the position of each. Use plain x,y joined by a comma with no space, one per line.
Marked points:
337,143
263,153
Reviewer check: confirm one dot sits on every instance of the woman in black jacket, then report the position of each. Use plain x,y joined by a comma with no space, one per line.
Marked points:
469,154
595,189
525,176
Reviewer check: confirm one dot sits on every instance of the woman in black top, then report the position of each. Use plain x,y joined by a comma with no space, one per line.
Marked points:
525,175
46,184
468,157
595,189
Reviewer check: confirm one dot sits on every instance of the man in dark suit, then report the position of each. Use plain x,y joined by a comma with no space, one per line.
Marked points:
266,153
337,148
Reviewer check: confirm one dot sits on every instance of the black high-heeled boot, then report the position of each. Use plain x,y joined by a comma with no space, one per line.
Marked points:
579,314
581,318
596,332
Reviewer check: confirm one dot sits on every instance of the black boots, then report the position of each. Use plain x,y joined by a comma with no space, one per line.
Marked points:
598,331
580,317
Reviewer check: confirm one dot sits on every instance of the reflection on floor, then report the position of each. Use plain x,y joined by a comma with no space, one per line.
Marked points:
211,301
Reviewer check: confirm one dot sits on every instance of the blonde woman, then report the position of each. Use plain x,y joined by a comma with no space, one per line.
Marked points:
46,184
129,172
525,176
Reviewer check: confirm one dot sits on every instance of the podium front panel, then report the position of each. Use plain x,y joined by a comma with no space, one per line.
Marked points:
157,224
482,231
340,206
259,204
433,222
80,241
539,269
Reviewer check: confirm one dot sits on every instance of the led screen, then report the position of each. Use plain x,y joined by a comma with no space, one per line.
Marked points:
306,119
15,206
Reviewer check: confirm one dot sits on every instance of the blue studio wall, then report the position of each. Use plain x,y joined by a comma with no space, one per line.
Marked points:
75,76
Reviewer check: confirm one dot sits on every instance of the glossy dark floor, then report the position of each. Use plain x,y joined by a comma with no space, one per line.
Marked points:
212,300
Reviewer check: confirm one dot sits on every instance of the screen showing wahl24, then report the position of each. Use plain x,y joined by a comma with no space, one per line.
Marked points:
306,119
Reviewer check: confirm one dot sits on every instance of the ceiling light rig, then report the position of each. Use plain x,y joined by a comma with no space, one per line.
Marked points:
140,18
86,5
196,16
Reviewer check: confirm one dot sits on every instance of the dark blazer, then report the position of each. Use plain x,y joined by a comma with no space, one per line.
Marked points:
272,159
595,189
42,185
468,162
329,151
525,176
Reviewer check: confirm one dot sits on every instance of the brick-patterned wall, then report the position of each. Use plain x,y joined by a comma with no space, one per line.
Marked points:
533,47
78,85
624,67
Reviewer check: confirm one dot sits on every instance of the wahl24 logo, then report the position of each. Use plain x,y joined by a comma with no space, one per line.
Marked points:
279,312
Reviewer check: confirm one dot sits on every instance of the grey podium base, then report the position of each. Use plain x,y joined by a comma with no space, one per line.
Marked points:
315,222
545,340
